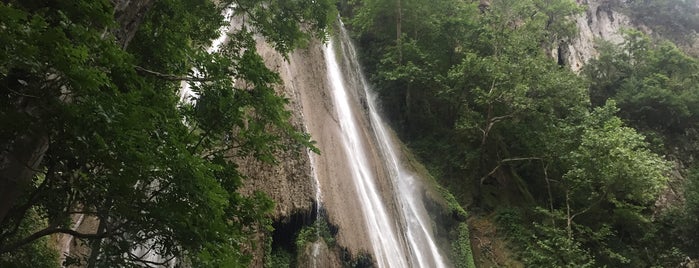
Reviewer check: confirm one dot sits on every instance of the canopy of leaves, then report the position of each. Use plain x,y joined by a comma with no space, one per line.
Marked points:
655,84
677,20
157,175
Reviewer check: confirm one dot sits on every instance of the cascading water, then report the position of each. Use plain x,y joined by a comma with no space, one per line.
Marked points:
407,239
408,188
388,249
319,200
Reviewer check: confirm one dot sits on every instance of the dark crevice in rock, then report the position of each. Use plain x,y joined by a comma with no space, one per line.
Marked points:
564,54
293,235
287,228
561,60
362,260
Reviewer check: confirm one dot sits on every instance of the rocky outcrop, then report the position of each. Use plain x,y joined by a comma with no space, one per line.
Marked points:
289,182
304,83
599,21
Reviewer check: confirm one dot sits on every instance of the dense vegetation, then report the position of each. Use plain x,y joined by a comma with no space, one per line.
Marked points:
677,20
111,140
579,170
572,166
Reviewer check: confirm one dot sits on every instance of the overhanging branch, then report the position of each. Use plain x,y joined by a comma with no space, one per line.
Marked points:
169,77
505,161
49,231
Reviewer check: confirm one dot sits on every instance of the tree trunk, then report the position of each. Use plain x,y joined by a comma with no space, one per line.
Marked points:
399,33
129,14
97,243
18,164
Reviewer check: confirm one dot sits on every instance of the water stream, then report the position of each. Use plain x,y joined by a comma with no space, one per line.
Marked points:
400,236
319,201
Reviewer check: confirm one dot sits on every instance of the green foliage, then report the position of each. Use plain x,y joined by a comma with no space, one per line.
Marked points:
612,179
655,85
542,245
289,255
362,260
279,259
156,173
513,128
41,253
672,19
612,162
454,207
597,212
681,223
553,249
691,209
462,248
310,234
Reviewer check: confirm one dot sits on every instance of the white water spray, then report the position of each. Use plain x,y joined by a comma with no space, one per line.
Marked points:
319,197
388,249
408,240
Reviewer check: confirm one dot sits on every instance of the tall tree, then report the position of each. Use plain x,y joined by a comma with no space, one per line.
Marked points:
118,146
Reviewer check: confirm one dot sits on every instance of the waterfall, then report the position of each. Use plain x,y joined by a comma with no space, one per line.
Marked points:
400,236
319,199
388,249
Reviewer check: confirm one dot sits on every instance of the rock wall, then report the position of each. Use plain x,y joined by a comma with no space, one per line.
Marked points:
291,183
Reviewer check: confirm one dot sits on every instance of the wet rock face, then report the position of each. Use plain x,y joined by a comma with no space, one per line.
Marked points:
318,254
289,183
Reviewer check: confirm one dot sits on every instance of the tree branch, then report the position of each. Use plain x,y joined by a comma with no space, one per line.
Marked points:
21,211
148,263
49,231
505,161
22,94
169,77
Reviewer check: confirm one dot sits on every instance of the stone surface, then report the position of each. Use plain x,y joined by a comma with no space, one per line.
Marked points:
599,21
317,254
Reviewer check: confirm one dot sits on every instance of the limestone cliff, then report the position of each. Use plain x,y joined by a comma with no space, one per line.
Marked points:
599,21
